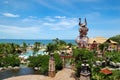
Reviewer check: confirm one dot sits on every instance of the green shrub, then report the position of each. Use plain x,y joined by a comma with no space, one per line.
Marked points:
80,55
40,61
113,56
58,61
11,60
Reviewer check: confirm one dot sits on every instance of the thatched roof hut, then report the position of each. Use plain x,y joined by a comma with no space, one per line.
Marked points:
100,40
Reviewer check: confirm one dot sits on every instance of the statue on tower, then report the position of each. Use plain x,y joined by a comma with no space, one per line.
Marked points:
82,39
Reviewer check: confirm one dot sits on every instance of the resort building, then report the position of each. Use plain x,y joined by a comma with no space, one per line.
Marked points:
93,42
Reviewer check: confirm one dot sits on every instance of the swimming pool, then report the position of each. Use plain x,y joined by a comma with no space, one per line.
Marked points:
30,53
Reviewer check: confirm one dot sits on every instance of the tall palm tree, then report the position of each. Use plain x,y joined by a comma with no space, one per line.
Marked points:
51,47
24,47
36,47
37,44
56,40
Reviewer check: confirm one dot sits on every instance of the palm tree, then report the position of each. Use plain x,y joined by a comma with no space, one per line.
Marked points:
24,47
36,47
51,47
56,40
37,44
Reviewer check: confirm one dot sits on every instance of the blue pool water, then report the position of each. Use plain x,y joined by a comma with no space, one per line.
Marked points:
30,53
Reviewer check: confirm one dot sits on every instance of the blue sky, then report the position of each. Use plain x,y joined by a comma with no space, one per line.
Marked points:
49,19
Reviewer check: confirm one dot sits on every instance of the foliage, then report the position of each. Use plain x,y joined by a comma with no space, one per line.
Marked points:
96,75
36,47
103,46
40,61
78,69
60,42
80,55
70,44
55,45
8,53
58,61
10,60
114,56
24,47
115,75
116,38
51,47
8,48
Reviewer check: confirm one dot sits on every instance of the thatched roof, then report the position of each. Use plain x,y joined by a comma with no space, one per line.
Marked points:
100,40
113,42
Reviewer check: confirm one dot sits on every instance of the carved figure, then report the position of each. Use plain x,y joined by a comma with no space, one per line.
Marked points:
82,39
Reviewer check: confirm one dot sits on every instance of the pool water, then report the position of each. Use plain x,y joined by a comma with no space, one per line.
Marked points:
30,53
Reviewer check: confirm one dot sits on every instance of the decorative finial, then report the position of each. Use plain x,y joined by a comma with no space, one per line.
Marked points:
79,21
85,21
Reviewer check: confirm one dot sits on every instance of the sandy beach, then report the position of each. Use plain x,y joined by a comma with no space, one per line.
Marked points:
65,74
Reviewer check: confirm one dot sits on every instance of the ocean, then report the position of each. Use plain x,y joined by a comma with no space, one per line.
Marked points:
20,41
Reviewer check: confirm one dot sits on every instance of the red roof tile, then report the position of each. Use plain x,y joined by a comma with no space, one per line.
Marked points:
106,71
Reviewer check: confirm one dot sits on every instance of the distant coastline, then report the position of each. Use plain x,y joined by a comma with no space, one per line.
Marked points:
32,41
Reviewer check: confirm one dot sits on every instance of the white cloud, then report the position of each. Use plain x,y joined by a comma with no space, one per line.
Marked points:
59,17
53,23
61,24
16,30
52,27
48,18
10,15
32,16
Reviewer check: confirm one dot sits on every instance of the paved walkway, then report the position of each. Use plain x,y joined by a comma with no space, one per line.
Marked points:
65,74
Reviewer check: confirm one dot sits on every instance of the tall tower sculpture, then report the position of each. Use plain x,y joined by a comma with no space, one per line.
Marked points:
51,70
82,39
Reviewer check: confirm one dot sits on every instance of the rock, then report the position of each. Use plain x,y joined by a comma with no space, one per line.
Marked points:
16,67
10,67
36,68
1,68
98,63
4,68
117,65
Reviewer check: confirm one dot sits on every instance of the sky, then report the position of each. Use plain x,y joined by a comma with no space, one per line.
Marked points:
50,19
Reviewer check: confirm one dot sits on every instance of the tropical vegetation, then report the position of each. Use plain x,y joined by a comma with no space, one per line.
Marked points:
42,62
116,38
9,57
9,54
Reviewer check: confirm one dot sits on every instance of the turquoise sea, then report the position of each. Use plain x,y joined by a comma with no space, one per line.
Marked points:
20,41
